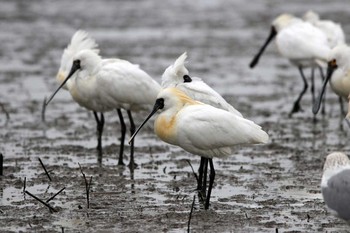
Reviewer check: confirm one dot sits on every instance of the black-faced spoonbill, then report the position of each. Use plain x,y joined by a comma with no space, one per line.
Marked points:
103,85
302,43
335,184
201,129
177,75
338,74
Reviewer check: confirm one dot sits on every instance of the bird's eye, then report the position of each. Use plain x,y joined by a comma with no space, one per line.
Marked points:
160,103
76,63
187,79
333,63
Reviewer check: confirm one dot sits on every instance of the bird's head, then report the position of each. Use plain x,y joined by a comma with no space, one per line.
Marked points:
176,73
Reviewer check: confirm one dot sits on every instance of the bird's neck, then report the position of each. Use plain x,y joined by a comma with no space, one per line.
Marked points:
165,127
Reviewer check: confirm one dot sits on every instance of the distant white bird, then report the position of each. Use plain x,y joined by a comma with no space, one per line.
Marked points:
103,85
335,184
80,41
177,75
201,129
302,43
334,32
338,72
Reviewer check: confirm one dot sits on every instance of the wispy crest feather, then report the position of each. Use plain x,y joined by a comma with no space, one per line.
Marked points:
173,75
80,40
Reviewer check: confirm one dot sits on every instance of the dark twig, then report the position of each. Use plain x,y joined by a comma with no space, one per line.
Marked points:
189,218
41,201
87,187
2,106
55,195
195,174
24,184
41,162
62,229
1,164
43,109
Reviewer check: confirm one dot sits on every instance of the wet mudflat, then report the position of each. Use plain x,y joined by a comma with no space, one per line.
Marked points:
258,189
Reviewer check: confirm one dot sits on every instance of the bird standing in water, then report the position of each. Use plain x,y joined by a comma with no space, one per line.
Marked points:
302,43
177,75
201,129
103,85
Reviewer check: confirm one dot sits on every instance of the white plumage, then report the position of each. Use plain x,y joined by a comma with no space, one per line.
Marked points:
333,31
107,84
80,41
300,41
335,184
173,76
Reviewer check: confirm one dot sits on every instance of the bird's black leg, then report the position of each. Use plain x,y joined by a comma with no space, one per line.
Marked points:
313,85
341,105
122,138
200,174
132,131
313,90
296,107
211,182
323,110
100,123
205,174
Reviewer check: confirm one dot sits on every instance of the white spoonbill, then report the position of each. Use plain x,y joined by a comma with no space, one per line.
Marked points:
334,32
201,129
338,73
177,75
335,185
102,85
302,43
80,40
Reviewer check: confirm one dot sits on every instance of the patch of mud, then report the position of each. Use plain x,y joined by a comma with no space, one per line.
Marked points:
258,189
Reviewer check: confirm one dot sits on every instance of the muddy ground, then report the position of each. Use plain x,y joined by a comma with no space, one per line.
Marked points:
268,188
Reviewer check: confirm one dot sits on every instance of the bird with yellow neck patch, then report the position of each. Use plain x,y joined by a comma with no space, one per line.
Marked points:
201,129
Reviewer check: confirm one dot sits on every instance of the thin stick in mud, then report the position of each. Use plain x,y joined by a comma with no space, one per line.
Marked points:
42,164
87,187
189,218
43,110
194,173
1,165
41,201
55,195
24,184
2,106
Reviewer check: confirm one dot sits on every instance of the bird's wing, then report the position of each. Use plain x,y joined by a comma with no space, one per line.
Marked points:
200,91
303,41
126,83
334,32
206,127
337,193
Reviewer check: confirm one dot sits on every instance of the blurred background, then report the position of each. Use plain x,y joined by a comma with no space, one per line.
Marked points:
260,189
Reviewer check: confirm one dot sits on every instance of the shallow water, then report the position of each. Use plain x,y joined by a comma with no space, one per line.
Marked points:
258,189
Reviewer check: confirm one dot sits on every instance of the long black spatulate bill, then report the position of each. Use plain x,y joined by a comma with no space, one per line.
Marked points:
317,105
255,60
75,67
158,105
